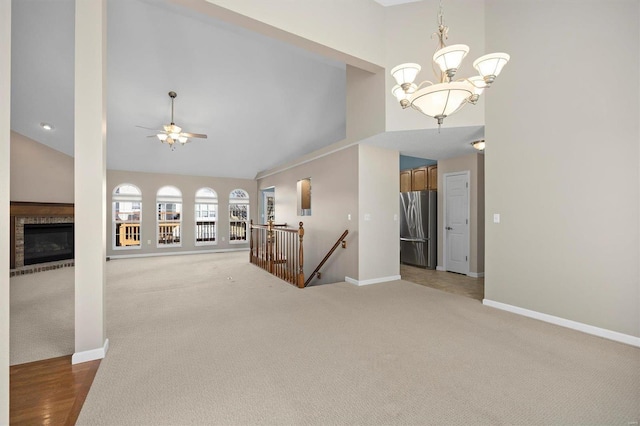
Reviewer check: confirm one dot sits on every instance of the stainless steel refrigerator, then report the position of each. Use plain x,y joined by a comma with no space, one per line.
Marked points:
418,216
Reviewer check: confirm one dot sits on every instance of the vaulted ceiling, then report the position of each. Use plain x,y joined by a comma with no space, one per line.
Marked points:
261,102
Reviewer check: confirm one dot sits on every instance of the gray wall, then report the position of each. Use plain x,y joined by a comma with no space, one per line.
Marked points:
562,160
149,183
39,173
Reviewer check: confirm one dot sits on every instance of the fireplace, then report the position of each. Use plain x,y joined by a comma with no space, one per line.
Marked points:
47,242
54,221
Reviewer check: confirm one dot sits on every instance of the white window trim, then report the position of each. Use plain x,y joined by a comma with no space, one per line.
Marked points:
116,198
175,199
245,201
213,201
206,200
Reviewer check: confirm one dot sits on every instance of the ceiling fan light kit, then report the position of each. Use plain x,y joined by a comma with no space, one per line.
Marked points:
439,100
173,133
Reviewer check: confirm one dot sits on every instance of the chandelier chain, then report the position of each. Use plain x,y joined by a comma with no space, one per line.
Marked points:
442,34
443,30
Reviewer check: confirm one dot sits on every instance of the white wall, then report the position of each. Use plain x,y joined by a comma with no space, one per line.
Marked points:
38,173
562,161
378,207
352,27
5,143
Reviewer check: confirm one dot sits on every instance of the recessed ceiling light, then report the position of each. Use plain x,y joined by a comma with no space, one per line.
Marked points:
46,126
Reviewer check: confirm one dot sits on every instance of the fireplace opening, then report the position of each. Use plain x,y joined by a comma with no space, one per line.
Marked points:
47,242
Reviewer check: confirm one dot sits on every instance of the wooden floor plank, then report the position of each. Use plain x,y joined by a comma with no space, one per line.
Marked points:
50,391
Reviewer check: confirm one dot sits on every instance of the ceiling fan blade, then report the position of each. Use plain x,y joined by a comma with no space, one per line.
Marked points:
193,135
149,128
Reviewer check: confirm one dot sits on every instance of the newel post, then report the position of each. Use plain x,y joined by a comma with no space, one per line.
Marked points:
251,241
300,257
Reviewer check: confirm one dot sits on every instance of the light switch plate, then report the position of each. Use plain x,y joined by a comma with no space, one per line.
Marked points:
496,218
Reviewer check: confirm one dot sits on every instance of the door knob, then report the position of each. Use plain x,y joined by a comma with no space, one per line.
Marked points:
448,228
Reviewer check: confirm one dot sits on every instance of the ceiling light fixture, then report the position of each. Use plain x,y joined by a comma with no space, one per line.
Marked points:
171,133
46,126
479,145
439,100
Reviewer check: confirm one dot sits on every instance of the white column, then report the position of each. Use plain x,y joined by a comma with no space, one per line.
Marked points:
5,124
90,180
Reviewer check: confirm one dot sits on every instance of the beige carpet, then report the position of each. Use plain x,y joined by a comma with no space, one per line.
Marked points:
42,316
229,345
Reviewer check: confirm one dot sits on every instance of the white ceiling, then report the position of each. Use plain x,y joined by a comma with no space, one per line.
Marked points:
262,102
394,2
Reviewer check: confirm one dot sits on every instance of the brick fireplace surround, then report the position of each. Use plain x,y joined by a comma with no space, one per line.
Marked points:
22,213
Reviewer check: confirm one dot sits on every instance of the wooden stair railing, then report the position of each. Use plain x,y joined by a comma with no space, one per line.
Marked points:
279,250
316,272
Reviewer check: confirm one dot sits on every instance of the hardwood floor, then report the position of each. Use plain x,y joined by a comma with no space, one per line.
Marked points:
49,392
445,281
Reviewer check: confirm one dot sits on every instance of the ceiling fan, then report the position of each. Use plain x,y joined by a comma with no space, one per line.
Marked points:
171,133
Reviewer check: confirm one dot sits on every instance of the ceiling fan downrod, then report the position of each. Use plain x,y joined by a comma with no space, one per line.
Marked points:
172,95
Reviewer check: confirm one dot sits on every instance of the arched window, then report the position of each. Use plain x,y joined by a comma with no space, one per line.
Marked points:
238,215
169,201
206,216
127,208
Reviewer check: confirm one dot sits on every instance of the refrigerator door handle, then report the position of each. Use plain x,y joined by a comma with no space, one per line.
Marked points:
415,240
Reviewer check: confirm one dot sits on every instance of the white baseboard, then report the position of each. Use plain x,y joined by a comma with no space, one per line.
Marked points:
372,281
85,356
175,253
574,325
476,274
440,268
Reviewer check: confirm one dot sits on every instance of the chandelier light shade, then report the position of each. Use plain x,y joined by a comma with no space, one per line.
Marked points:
449,58
479,85
405,74
402,96
489,66
441,99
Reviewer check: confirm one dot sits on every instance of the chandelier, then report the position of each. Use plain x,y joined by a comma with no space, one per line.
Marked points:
439,100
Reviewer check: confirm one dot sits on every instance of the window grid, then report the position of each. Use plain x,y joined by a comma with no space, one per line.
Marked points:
126,213
238,216
169,223
206,215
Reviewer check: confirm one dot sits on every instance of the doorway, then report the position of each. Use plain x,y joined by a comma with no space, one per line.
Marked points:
268,204
456,222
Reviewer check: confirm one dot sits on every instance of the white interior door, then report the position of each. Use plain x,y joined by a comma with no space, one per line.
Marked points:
456,226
